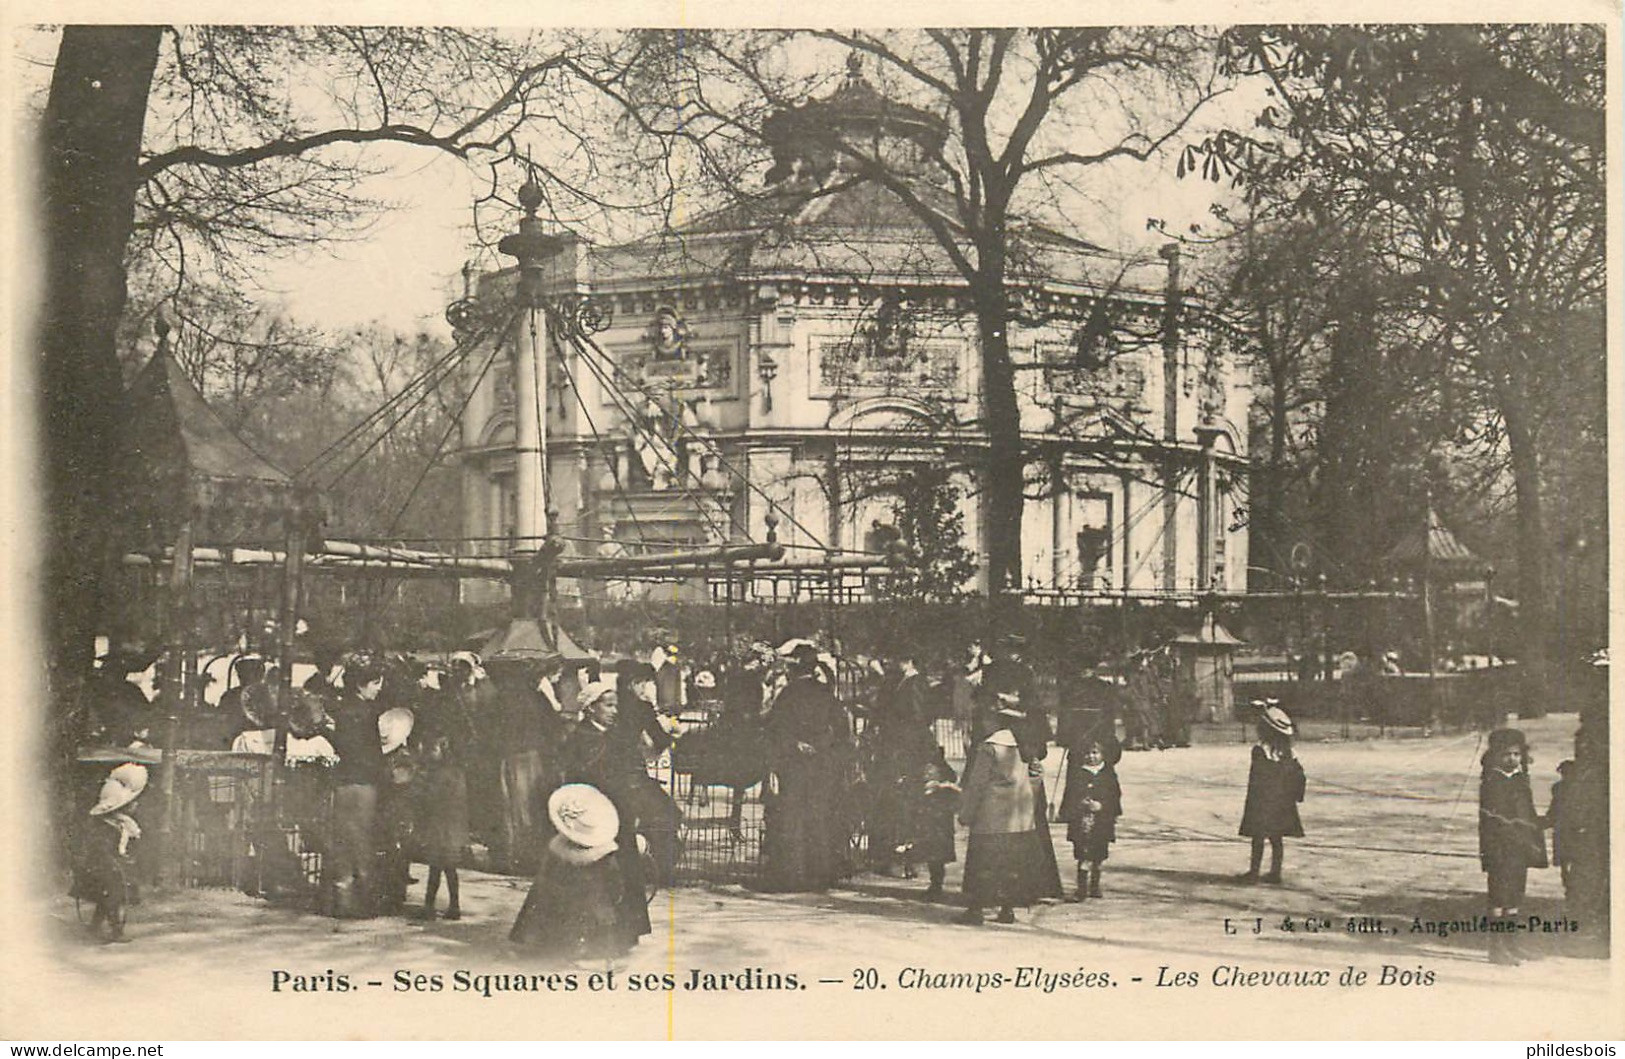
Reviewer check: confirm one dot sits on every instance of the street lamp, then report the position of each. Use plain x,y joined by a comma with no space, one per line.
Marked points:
767,369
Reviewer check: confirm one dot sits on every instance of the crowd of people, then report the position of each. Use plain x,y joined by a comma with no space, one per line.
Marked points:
547,765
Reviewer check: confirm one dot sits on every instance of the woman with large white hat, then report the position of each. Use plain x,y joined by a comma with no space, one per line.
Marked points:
104,860
574,906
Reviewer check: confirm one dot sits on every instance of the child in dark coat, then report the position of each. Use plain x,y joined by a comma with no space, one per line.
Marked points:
934,837
573,909
441,835
1275,786
1511,838
1091,805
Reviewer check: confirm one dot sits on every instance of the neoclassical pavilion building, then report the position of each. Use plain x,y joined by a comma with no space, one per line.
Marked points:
805,353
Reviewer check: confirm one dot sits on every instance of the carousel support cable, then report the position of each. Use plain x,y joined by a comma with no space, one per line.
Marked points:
624,403
427,381
582,344
459,349
721,459
377,415
614,465
456,421
1129,522
414,406
606,379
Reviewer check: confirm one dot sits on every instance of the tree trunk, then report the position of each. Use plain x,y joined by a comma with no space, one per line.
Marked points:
1533,605
1004,494
91,148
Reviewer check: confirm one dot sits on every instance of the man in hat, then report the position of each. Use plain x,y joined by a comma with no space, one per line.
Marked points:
807,738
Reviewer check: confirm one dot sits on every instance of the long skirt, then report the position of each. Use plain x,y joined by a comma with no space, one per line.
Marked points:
1007,869
806,839
575,910
526,784
1050,868
347,869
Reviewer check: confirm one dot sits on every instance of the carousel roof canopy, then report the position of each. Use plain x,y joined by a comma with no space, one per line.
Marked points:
527,640
163,400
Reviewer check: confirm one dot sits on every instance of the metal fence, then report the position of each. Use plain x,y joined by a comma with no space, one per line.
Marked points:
263,830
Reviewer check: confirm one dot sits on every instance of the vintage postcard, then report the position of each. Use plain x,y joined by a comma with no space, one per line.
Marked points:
696,523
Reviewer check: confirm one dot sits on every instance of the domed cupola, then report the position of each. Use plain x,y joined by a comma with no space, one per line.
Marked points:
815,140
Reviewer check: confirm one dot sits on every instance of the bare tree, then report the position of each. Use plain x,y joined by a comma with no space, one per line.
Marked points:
198,148
1476,154
1002,126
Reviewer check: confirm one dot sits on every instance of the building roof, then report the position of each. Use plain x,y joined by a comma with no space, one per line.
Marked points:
185,462
1443,547
1209,634
162,399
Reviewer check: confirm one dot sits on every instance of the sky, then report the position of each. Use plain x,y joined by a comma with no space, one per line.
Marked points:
407,266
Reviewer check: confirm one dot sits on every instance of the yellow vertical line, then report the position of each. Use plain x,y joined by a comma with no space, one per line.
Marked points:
671,960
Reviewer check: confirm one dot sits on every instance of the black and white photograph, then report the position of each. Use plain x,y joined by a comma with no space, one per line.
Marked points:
665,528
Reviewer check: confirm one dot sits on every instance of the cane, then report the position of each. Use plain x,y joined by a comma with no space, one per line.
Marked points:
1055,788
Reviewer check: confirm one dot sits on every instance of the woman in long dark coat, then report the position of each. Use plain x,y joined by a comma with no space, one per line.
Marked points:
1511,838
900,748
807,735
1275,786
595,754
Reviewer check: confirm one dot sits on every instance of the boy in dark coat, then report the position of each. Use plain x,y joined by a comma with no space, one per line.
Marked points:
1275,786
934,835
1511,839
1091,805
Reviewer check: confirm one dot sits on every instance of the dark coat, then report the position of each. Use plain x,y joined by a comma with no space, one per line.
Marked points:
1091,831
613,765
355,740
806,840
440,792
1274,789
577,910
939,805
1510,836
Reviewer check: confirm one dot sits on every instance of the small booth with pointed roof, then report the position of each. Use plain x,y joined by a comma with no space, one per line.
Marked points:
1205,665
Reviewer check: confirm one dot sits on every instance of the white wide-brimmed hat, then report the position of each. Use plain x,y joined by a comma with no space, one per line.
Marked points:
395,728
584,816
122,786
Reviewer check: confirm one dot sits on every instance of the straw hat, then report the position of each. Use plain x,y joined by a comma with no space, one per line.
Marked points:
584,816
1278,718
123,785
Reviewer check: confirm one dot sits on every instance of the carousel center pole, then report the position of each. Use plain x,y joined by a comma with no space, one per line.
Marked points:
531,247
